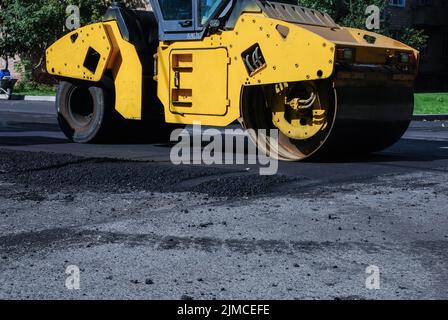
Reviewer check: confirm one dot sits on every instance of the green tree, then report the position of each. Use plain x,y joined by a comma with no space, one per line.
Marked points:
7,45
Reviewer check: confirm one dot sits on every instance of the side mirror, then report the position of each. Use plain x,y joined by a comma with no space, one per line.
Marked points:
214,23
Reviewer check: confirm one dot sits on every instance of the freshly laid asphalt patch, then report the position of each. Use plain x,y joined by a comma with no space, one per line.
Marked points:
60,172
241,185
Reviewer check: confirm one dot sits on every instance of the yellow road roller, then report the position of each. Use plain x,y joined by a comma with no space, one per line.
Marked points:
329,90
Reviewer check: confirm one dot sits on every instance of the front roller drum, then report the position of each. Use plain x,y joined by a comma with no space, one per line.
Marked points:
369,119
344,119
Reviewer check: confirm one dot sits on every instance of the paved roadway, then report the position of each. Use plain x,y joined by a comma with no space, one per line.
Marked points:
310,235
31,126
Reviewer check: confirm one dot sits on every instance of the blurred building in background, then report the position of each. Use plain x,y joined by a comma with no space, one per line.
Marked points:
432,17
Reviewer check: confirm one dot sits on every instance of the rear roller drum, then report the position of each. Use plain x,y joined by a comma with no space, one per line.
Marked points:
85,112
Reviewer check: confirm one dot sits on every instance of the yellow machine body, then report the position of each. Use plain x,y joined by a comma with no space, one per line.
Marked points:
68,56
193,90
215,64
203,80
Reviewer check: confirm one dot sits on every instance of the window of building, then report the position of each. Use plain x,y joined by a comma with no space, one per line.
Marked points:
398,3
445,45
423,3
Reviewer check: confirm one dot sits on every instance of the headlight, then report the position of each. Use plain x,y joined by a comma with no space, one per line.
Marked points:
346,54
405,57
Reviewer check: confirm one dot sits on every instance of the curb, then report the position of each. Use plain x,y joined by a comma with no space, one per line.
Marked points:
430,117
37,98
418,117
30,98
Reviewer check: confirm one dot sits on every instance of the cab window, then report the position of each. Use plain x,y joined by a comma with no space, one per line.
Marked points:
207,8
176,9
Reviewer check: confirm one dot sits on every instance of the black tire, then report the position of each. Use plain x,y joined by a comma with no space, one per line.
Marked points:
9,93
85,112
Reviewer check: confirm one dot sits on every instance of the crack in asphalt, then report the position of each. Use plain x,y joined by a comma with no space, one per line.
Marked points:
63,237
52,239
414,168
62,165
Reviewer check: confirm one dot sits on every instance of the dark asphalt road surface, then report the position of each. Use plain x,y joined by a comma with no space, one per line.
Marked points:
31,126
139,227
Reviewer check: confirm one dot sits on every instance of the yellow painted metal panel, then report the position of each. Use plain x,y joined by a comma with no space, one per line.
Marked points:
67,56
198,81
380,40
128,75
301,55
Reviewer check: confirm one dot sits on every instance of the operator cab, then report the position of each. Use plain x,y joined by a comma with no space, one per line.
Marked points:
187,19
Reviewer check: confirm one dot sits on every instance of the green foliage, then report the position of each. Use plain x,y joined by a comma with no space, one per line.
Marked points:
34,89
431,103
415,38
25,68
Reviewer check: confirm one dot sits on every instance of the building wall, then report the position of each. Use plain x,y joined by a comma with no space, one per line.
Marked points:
401,17
432,17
